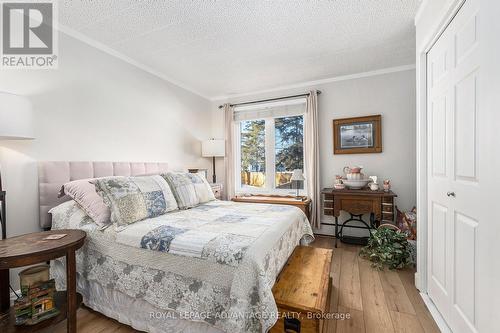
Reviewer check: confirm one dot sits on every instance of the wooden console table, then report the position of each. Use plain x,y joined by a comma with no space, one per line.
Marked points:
379,204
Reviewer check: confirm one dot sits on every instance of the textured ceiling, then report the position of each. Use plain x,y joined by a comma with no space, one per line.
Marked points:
223,47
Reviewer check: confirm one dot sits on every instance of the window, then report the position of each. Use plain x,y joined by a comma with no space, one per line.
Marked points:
288,150
253,154
270,148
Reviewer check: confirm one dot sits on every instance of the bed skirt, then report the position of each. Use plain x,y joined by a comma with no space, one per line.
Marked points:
136,313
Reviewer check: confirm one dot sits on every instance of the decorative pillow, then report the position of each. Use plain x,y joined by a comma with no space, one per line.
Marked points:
190,189
202,187
132,199
85,195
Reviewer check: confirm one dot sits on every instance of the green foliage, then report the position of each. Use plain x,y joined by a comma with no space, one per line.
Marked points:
289,143
253,155
289,137
387,247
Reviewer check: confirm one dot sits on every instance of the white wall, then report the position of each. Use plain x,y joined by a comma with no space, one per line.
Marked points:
96,107
391,95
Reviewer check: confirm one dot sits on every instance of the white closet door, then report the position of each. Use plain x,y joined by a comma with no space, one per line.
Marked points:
439,172
453,170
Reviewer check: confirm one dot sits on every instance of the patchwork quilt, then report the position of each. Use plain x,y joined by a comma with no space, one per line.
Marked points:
217,261
218,231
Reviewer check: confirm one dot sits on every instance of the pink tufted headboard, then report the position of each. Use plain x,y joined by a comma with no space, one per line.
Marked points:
52,175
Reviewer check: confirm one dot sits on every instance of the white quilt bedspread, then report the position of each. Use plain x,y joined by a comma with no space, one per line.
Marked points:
214,263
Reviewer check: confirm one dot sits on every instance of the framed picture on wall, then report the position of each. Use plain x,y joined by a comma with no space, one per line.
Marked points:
357,135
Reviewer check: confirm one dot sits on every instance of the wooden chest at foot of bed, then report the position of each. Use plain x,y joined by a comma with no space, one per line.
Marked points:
302,291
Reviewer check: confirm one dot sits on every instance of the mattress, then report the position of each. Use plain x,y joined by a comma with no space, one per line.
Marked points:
224,280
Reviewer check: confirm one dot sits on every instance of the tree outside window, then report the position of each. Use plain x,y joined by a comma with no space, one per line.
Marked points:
289,149
285,152
253,153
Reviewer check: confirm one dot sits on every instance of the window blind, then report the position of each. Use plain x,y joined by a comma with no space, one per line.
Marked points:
279,109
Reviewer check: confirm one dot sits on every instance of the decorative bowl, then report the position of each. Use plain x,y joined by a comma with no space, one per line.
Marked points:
356,184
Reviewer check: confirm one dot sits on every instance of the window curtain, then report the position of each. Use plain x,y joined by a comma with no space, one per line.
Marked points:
311,156
230,154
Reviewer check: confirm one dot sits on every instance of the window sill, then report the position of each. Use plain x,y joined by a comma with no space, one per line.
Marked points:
242,192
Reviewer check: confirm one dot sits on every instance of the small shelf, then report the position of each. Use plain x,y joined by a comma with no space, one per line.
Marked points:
8,320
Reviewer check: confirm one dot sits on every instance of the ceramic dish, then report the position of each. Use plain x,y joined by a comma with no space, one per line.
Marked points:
356,184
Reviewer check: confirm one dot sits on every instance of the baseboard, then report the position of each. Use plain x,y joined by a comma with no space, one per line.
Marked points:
417,280
440,322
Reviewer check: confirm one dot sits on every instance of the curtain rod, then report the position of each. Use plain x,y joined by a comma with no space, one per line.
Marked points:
270,99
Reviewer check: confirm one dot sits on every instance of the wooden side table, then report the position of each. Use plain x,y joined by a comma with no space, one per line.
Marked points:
32,249
303,203
379,204
217,189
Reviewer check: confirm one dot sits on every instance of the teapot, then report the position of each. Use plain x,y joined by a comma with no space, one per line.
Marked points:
353,173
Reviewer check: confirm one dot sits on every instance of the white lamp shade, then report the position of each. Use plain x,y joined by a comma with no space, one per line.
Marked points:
16,117
297,175
213,148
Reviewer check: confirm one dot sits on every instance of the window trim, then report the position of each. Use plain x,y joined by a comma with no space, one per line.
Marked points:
270,157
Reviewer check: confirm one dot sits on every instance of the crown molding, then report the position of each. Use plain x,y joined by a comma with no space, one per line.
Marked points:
102,47
320,82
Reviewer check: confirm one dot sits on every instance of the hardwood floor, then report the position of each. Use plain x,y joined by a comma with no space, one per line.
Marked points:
377,301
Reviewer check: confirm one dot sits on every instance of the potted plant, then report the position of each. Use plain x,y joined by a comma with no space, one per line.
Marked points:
387,246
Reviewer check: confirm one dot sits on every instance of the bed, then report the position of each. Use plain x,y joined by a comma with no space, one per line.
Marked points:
214,274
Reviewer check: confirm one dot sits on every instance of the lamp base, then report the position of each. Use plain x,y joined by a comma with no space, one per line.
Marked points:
214,177
3,215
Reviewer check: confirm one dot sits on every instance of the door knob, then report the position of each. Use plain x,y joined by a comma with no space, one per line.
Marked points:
450,194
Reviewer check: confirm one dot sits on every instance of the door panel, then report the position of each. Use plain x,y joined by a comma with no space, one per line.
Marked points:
465,129
466,38
438,128
438,257
439,65
465,267
454,181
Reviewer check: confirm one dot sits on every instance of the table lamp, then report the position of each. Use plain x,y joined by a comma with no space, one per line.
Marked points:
16,123
213,148
296,177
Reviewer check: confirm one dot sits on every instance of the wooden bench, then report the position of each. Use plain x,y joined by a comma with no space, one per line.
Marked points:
302,291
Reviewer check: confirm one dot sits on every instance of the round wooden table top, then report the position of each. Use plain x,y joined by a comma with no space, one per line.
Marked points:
35,247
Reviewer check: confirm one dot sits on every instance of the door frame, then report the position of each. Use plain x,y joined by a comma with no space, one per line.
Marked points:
446,16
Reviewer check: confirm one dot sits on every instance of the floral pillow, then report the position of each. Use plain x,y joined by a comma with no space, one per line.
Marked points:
190,189
132,199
